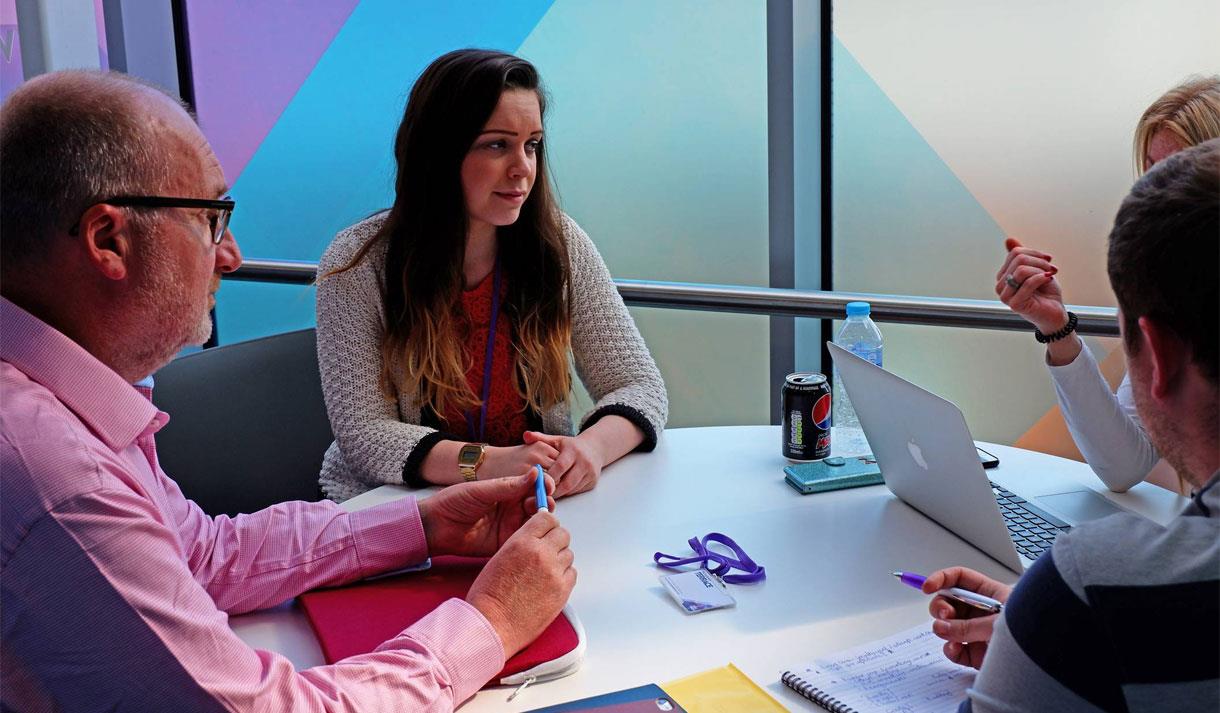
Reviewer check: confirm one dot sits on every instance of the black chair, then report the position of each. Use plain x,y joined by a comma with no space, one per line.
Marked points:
248,426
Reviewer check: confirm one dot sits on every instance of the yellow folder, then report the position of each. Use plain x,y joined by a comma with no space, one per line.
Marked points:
721,690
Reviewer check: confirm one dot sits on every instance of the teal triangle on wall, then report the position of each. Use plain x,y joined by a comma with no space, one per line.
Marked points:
328,162
903,221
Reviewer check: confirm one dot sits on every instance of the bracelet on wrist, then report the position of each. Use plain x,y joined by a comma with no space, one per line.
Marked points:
1062,333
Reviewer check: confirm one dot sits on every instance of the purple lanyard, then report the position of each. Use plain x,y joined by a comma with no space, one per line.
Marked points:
753,572
491,344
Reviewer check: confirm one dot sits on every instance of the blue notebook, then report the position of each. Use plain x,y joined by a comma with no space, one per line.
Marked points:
642,699
833,473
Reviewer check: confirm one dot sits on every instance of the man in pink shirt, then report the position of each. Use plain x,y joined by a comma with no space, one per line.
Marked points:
115,589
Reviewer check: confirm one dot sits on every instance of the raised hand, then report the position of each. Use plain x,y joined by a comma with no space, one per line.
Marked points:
1026,283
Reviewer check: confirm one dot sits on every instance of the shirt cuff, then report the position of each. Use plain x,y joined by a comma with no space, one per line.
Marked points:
388,536
464,643
632,414
415,461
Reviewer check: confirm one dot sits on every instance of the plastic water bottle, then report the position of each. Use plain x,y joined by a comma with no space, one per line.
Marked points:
860,336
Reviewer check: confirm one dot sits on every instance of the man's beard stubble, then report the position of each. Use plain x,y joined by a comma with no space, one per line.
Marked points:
168,318
1164,433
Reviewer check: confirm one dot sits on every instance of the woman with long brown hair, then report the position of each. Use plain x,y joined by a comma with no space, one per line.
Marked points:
445,324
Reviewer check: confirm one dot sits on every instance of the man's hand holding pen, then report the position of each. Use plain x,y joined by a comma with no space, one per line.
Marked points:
965,628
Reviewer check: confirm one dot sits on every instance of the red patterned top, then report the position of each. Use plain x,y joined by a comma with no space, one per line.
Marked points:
506,412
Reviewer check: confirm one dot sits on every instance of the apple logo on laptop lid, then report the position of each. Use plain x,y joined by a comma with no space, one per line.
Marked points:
916,453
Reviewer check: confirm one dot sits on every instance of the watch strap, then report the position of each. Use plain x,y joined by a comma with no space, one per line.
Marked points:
469,471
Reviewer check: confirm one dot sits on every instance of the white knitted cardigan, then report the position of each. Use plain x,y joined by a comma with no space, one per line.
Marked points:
378,440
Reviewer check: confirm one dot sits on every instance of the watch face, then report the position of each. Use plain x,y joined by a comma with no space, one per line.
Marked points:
470,454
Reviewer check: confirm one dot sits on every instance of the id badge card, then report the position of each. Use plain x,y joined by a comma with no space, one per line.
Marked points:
697,591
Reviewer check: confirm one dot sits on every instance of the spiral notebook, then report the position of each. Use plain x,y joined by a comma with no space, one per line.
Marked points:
906,672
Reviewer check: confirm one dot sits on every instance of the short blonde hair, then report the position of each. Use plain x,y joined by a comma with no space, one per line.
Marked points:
1189,111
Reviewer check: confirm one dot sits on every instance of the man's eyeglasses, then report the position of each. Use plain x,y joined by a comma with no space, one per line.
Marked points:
218,220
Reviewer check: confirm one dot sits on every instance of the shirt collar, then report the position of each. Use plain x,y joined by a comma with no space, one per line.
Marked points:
1207,498
108,405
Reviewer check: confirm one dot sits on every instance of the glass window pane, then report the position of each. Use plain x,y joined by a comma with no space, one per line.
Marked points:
658,147
957,124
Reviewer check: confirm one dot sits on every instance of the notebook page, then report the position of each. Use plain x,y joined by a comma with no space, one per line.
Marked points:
905,673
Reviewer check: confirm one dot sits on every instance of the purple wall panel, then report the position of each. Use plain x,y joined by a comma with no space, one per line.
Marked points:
11,75
249,59
103,53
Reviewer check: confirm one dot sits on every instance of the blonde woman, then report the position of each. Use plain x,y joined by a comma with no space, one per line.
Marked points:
446,324
1105,425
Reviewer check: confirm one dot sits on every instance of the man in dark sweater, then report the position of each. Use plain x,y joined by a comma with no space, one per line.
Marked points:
1123,614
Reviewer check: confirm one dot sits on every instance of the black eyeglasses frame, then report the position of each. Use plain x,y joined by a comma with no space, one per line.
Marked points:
225,205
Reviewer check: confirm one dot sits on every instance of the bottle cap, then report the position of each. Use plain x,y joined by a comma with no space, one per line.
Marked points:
857,309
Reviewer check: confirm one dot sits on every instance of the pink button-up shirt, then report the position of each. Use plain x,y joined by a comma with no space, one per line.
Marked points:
115,589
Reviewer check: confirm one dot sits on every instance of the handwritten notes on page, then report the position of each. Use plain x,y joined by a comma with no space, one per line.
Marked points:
905,673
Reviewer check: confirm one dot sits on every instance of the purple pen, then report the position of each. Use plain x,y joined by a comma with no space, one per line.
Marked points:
964,596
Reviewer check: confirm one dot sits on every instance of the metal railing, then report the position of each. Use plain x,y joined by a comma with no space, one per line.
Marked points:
906,309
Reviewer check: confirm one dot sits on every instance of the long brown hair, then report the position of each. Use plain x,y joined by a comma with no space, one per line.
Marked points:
426,232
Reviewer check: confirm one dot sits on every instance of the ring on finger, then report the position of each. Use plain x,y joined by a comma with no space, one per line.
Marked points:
1012,281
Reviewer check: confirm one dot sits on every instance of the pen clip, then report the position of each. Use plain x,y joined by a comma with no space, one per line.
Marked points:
973,600
528,680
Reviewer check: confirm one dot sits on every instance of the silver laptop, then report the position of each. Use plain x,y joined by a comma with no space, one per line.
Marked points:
928,459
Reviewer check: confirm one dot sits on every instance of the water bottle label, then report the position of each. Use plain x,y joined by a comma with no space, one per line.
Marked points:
873,355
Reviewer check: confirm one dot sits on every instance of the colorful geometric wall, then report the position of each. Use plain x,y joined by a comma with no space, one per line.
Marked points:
959,123
10,49
956,123
656,132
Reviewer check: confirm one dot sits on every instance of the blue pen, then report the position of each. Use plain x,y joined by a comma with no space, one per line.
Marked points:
540,490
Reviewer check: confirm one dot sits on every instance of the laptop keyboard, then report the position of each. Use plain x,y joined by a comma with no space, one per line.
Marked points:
1032,529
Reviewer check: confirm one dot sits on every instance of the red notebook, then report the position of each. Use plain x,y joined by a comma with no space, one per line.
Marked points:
359,617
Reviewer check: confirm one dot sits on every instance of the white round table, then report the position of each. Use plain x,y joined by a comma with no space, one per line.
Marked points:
828,558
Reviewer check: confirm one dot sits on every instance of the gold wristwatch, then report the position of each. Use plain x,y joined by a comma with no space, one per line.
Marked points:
470,457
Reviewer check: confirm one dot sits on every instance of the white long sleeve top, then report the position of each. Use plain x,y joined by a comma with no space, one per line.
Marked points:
1104,424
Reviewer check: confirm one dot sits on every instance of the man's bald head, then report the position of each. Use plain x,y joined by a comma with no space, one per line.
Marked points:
70,139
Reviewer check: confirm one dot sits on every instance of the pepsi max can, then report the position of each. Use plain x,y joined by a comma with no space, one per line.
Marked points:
805,401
